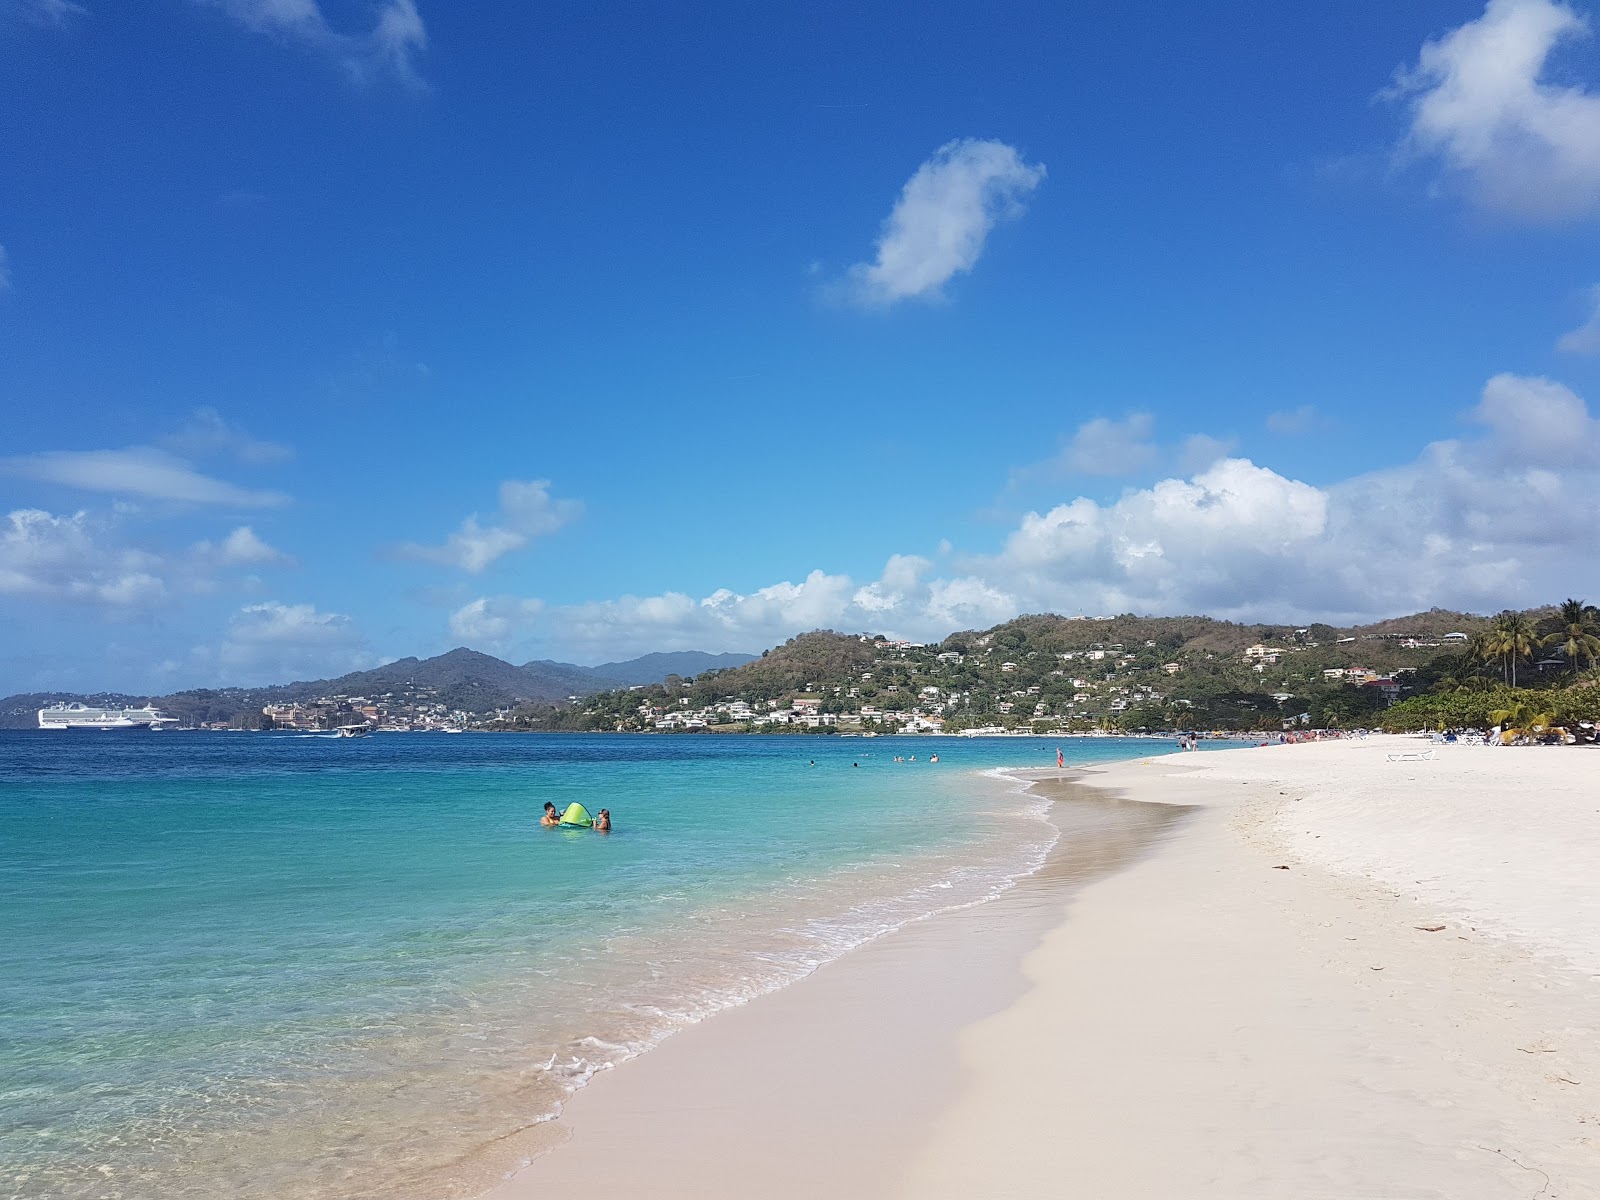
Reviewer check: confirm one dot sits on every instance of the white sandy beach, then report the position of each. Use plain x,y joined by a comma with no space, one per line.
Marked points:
1200,1023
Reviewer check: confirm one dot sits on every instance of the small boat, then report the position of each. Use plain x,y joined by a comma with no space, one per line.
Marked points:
354,730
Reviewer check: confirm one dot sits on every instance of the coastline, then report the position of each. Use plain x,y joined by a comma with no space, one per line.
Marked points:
839,1059
1192,1021
1401,1028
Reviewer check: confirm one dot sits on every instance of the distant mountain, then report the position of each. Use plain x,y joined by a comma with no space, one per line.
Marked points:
653,668
460,678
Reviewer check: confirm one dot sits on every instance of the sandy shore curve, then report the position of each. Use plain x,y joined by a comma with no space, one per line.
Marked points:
1342,975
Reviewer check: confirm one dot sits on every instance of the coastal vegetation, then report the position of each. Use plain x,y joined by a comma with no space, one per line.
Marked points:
1126,673
1533,670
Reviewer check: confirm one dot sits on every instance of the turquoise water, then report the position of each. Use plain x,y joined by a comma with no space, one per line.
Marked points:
296,966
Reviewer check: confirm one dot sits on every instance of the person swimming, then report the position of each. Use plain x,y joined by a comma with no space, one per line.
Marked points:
602,821
551,816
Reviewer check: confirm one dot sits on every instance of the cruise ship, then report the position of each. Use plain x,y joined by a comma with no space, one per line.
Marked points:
81,716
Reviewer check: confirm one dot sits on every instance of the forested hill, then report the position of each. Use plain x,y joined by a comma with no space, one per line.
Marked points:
1056,670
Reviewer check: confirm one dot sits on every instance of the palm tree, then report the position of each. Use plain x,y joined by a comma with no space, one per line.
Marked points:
1511,637
1575,635
1520,721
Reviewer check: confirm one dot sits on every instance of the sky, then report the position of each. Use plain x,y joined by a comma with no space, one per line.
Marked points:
333,331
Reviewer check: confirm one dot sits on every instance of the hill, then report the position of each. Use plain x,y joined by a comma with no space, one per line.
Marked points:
461,679
1048,671
653,668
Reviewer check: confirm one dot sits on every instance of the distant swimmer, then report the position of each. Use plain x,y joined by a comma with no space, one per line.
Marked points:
933,758
551,816
602,822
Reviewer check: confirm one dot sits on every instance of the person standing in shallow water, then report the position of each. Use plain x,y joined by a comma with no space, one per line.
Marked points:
602,821
551,816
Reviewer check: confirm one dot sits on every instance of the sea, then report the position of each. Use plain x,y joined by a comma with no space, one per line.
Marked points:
299,966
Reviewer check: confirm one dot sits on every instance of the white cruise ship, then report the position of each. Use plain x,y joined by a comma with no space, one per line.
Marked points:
81,716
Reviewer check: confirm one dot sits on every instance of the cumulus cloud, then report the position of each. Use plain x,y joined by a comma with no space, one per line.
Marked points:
207,434
279,641
136,471
1199,450
1585,339
73,558
941,221
494,620
1537,422
901,576
87,558
396,37
1482,107
239,549
527,511
1106,447
1506,516
1110,447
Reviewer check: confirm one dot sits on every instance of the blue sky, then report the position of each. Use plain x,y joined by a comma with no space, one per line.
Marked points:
337,331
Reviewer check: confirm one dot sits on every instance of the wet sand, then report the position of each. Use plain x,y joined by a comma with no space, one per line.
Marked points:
828,1086
1304,971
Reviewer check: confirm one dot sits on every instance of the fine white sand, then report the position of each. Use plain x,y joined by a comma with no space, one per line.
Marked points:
1206,1025
1197,1024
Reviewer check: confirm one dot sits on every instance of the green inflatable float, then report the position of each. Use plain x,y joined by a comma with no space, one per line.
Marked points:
577,817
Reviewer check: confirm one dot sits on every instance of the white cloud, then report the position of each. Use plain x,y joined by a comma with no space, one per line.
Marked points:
1106,447
1500,518
399,35
968,603
1585,339
396,37
208,434
494,620
725,619
900,577
1201,450
136,471
72,558
241,548
49,12
942,219
1293,421
1481,106
274,641
86,558
1109,448
1537,422
527,511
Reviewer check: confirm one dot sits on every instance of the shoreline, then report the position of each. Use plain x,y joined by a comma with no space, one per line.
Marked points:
1266,1018
839,1056
1273,994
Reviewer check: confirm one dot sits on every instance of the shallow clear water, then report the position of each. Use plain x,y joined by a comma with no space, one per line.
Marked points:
296,966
